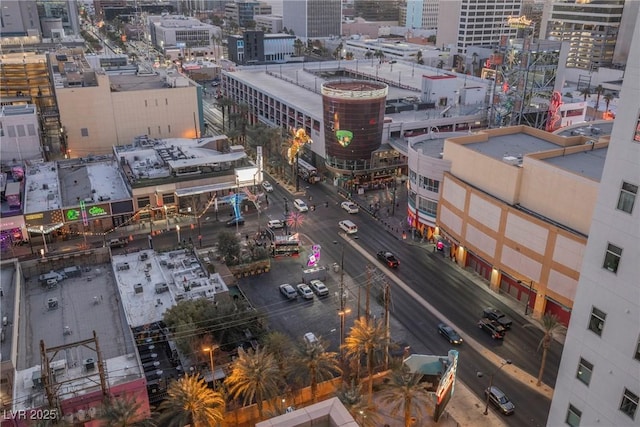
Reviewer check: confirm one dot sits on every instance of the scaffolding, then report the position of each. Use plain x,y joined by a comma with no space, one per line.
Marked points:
524,73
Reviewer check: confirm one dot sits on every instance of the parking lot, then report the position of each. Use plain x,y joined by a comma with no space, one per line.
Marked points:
297,317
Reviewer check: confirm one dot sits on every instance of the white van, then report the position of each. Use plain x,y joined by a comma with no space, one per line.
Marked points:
348,226
300,205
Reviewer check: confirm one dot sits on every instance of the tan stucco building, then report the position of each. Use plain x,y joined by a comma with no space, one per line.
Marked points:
99,111
516,208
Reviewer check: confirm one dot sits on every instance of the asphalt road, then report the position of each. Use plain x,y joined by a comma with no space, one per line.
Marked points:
429,274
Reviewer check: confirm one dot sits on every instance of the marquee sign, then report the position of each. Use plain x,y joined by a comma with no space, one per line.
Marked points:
519,22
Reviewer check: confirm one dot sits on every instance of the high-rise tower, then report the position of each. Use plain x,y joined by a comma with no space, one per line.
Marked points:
599,378
312,18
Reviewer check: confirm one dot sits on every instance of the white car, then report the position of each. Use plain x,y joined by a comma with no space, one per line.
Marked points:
305,291
267,186
319,288
300,205
275,223
350,207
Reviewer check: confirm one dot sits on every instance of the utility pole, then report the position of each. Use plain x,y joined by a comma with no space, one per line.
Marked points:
367,311
387,325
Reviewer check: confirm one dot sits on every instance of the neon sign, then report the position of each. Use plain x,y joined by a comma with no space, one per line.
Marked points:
85,213
314,258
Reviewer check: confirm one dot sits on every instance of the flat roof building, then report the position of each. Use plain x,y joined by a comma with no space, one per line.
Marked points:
515,206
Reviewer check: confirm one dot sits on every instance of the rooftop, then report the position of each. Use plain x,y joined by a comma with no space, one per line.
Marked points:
586,163
149,160
516,144
54,185
300,84
66,310
150,283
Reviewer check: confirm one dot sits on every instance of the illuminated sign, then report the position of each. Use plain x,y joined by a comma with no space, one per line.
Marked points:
43,218
344,137
314,258
85,213
446,385
519,22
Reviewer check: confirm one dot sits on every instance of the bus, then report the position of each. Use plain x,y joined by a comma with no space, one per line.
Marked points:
282,246
307,172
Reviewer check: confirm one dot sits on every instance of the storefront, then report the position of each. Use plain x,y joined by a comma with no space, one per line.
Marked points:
42,226
12,232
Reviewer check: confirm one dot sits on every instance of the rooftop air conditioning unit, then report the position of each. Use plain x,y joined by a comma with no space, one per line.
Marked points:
89,364
511,160
137,288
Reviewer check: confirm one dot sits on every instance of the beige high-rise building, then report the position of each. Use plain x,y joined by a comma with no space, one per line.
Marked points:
98,111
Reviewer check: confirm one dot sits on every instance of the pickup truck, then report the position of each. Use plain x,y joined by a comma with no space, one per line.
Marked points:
495,314
491,327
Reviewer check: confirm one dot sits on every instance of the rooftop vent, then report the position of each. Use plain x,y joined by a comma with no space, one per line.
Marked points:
511,160
89,364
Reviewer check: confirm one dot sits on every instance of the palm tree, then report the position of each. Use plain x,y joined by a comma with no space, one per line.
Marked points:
379,54
366,337
608,97
406,393
279,345
351,397
298,46
254,376
551,327
123,412
599,90
585,92
190,401
440,64
419,59
225,105
313,365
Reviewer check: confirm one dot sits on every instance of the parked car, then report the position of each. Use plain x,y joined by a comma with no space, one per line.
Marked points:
117,243
234,221
288,291
497,315
500,400
492,327
319,288
388,258
275,223
310,338
266,185
449,333
350,207
305,291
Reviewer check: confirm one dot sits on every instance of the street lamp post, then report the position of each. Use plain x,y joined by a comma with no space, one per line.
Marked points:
526,307
211,364
166,216
488,391
178,233
343,311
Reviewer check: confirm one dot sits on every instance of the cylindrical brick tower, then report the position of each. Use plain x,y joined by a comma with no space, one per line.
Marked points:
353,113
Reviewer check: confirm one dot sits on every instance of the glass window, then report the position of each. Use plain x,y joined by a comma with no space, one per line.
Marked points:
612,258
143,201
627,197
596,323
584,371
629,403
637,356
168,199
573,416
84,132
636,134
